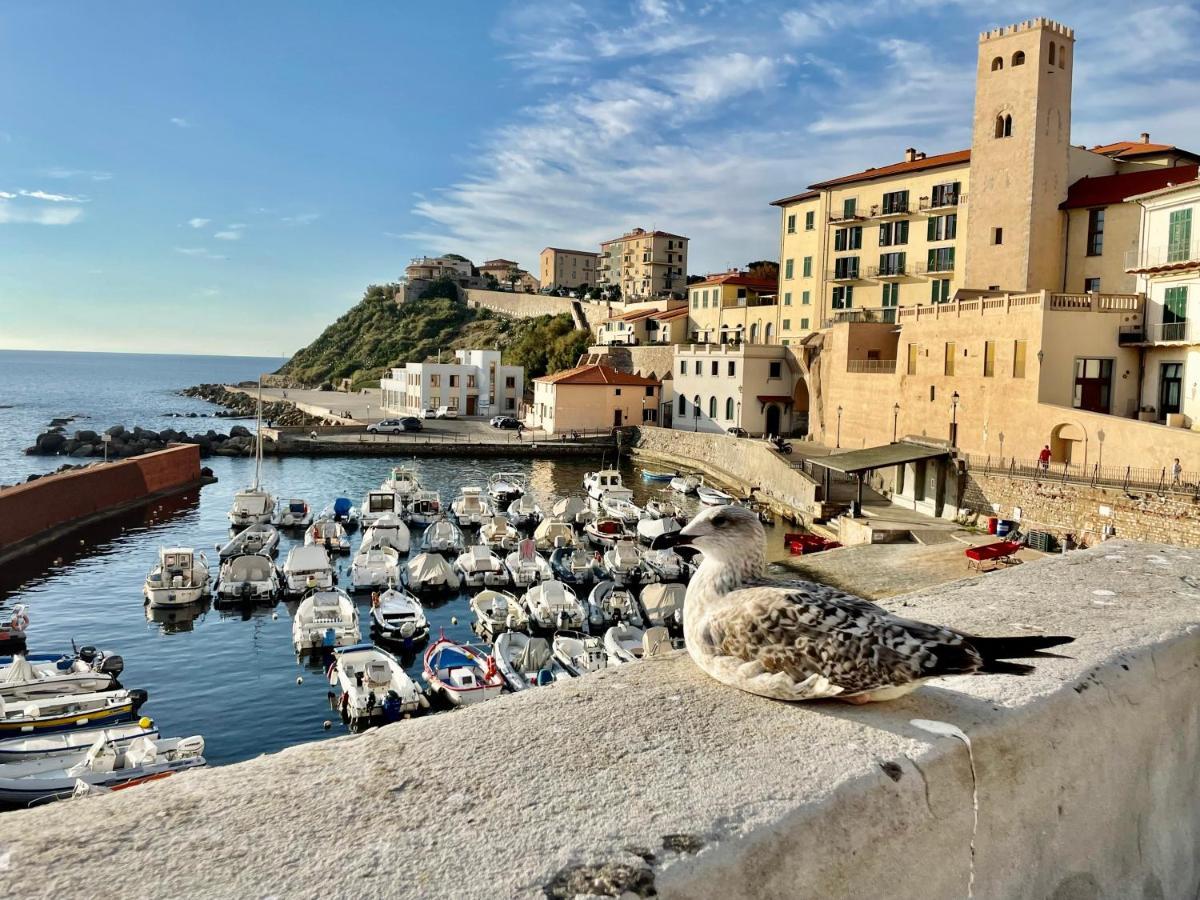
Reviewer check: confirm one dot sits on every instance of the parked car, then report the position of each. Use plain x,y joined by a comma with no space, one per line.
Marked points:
386,426
737,432
446,412
428,414
505,422
411,423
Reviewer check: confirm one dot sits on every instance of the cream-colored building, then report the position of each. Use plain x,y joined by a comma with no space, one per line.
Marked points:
567,269
733,307
593,398
429,268
649,325
644,264
723,386
475,384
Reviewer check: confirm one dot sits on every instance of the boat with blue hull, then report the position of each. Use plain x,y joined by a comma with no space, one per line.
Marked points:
70,712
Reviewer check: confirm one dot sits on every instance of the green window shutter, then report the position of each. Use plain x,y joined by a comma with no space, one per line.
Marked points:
1175,305
1179,235
849,296
931,229
931,261
950,258
901,235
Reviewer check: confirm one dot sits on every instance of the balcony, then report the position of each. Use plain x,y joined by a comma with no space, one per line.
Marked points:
1164,258
1131,335
1187,332
889,211
893,270
855,216
938,204
871,366
843,276
872,314
937,267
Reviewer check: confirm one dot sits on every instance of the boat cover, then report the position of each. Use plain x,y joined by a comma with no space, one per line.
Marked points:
341,507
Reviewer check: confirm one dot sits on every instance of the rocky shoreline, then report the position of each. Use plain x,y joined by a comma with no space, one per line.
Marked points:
124,443
242,405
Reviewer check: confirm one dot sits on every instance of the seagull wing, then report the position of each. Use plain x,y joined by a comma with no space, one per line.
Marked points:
843,644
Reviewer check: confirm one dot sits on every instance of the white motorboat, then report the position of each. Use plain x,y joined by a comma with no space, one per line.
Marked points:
524,512
461,673
471,507
250,576
505,487
686,484
444,537
307,568
257,538
580,653
525,661
658,640
377,504
663,565
623,562
325,618
598,483
179,578
328,534
88,672
623,644
663,605
424,507
292,513
649,529
389,531
68,712
403,482
609,603
104,764
497,532
605,533
66,744
657,508
398,617
479,566
574,510
710,496
496,612
553,533
255,504
576,565
374,567
619,505
526,566
553,605
431,572
342,510
373,685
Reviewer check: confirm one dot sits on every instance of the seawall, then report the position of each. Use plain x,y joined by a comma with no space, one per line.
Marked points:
43,510
654,777
528,306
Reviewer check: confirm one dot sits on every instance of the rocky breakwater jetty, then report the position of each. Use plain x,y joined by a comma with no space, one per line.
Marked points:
243,405
124,442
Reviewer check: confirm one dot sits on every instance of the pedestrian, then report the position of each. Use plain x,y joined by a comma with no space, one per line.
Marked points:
1044,458
1176,474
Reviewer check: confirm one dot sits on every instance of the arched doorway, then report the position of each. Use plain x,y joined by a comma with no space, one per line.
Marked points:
754,333
800,407
1067,442
773,419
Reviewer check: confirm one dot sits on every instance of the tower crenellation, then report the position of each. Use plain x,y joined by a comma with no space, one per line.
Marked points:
1028,25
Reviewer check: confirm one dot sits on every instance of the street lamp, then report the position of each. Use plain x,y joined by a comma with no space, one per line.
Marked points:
368,415
895,421
954,419
839,426
1001,436
1100,439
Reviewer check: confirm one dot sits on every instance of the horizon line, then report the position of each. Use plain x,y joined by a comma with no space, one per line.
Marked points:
139,353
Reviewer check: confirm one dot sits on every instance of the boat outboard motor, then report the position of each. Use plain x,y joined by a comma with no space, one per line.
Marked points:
87,654
111,664
139,697
391,705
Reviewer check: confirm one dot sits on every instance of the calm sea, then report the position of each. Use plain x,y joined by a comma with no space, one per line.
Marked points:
228,676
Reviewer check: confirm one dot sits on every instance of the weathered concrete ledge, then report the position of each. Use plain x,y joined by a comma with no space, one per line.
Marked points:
546,449
1088,774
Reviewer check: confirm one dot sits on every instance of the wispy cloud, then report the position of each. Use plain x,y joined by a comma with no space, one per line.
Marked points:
301,219
180,122
51,198
199,252
231,232
198,222
15,214
90,174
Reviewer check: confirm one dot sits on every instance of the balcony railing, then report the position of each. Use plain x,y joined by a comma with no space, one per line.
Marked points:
1166,257
856,216
947,201
887,210
892,270
1188,332
937,267
872,366
874,314
844,275
1128,335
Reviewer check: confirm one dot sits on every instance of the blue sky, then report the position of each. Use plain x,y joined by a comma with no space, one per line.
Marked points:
226,177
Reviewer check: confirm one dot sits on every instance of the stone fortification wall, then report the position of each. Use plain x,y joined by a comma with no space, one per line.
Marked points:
653,778
528,306
646,359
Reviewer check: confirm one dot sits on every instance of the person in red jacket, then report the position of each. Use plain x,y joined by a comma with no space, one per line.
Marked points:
1044,458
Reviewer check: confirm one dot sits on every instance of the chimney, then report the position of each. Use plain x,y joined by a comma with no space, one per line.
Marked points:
1145,137
920,154
910,154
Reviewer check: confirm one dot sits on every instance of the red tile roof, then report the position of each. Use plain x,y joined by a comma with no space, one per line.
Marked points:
671,314
739,279
1108,189
796,198
916,165
493,263
595,374
1132,149
642,234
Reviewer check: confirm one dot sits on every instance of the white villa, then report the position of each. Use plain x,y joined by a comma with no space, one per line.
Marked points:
476,384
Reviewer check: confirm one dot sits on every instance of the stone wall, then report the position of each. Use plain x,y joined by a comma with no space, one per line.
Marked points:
650,360
528,306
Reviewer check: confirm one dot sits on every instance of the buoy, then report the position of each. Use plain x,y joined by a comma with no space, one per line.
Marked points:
81,542
327,725
454,620
274,616
299,679
145,722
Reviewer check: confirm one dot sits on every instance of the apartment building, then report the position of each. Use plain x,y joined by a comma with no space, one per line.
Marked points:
428,268
650,325
723,386
593,397
731,307
558,268
476,384
644,264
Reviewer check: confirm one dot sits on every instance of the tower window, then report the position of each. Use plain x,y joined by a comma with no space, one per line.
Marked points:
997,235
1019,58
997,63
1062,56
1052,53
1004,126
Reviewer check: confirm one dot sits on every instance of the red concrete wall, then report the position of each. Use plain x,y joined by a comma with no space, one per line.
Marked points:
29,509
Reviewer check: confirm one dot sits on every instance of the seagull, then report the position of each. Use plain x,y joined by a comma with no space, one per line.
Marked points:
799,640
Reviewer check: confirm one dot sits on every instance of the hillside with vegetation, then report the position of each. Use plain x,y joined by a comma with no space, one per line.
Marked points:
378,333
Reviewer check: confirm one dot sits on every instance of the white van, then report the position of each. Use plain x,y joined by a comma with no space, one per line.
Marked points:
446,412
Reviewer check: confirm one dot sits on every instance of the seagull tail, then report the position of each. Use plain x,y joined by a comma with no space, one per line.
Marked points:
1000,667
1017,647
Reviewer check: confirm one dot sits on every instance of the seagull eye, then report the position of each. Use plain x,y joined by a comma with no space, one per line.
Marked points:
720,520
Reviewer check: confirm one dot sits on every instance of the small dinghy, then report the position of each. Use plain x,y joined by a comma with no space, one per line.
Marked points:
657,641
575,565
389,531
526,566
580,653
608,604
443,537
496,612
293,513
471,507
103,765
623,644
66,744
248,577
710,496
552,533
605,533
397,617
505,487
623,563
498,533
325,619
90,671
663,605
573,510
69,712
372,685
479,567
553,605
403,482
685,484
649,529
379,503
525,661
663,509
430,572
307,568
328,534
524,512
343,511
647,475
620,506
598,483
460,673
260,538
424,507
374,567
179,578
664,565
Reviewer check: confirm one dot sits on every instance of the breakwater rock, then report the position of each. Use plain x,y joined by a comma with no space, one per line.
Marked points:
238,404
124,443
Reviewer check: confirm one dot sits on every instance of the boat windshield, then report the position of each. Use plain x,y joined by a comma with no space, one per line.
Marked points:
251,502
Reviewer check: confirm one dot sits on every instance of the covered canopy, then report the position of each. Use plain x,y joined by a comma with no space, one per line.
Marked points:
856,461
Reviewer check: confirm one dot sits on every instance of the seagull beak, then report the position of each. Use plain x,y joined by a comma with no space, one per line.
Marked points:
674,539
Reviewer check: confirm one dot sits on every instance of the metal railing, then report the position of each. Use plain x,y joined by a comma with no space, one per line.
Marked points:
844,274
1181,254
856,216
893,270
883,210
862,314
1173,331
947,201
938,267
872,366
1162,480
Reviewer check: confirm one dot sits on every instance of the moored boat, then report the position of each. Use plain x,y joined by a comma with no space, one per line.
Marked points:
377,504
649,529
89,671
526,566
686,484
619,505
524,512
373,685
247,577
471,507
461,673
497,532
443,536
479,566
553,605
374,567
328,534
710,496
610,603
325,618
496,612
605,533
180,577
648,475
70,711
623,644
573,510
579,653
62,744
389,531
552,533
258,538
664,565
505,487
403,482
525,661
623,563
597,484
292,513
342,510
576,565
424,507
307,568
658,508
663,605
397,617
430,572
